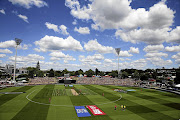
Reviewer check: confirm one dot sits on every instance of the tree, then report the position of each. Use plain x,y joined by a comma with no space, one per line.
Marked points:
136,74
31,72
80,72
57,73
101,73
39,73
114,73
97,71
65,71
177,79
51,73
143,76
124,74
89,73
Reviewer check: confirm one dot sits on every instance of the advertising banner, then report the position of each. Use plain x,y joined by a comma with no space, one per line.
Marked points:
95,110
82,111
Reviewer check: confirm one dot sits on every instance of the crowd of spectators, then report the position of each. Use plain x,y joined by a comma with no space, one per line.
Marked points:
106,81
42,80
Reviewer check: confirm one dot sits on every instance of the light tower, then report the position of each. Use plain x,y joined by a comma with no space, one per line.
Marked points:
18,42
118,51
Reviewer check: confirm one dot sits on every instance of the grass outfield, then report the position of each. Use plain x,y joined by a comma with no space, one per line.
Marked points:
145,104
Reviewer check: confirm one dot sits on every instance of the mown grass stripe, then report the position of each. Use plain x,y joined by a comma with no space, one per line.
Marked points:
6,97
83,100
34,111
131,106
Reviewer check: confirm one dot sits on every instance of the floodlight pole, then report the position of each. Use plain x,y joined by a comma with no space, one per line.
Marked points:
118,67
15,65
18,42
118,51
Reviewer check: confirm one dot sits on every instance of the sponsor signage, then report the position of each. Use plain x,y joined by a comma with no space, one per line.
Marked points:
82,111
95,110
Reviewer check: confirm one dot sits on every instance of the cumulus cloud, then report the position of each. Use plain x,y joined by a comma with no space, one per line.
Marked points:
148,36
5,51
177,58
63,29
78,11
49,43
2,55
93,45
173,48
29,3
159,62
174,35
134,50
52,26
125,54
93,60
23,17
95,26
31,58
82,30
160,54
107,60
74,22
137,64
153,48
12,43
151,26
2,11
57,55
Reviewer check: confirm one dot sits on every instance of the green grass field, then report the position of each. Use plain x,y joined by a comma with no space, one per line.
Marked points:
145,104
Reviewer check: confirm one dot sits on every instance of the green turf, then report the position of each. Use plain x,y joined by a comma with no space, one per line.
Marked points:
142,104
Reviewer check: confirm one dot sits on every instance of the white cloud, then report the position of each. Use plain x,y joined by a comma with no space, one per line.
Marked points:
2,11
151,26
137,64
160,54
23,17
94,45
116,14
5,51
125,54
82,30
153,48
148,36
49,43
74,22
134,50
124,59
57,55
52,26
93,60
29,3
173,48
177,58
63,29
159,62
12,43
174,35
78,11
31,58
2,55
95,26
108,61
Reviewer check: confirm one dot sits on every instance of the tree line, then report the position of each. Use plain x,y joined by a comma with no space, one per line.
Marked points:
124,73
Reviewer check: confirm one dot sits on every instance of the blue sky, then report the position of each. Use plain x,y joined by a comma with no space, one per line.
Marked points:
76,34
